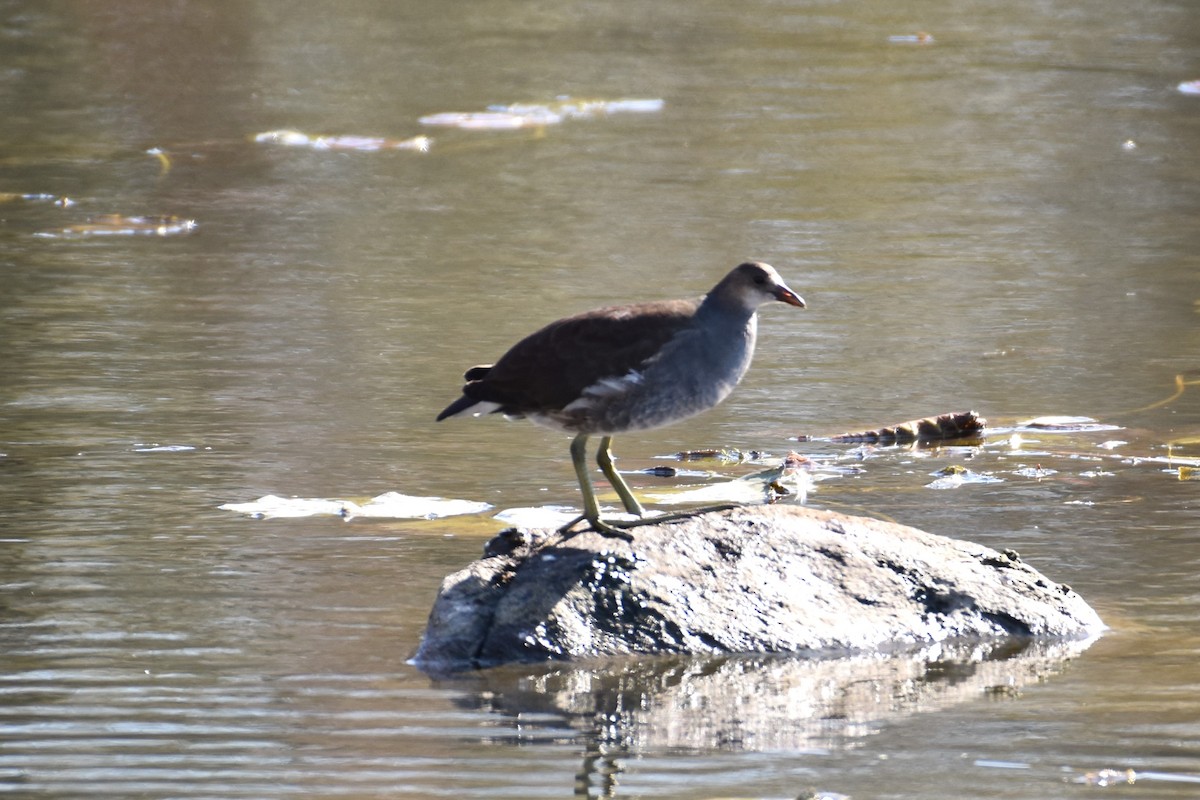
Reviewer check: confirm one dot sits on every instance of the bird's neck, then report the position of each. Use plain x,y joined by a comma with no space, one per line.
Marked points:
727,329
730,313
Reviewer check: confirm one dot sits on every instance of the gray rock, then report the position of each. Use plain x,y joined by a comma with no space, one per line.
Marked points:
764,579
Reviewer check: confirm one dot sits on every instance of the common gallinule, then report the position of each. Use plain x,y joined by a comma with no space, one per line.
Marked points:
627,368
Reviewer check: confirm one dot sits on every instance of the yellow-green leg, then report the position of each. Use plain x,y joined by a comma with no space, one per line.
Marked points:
591,506
605,460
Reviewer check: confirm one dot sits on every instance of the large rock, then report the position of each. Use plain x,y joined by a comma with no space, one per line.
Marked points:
759,579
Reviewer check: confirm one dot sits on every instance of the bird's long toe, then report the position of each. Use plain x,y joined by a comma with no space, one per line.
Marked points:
612,530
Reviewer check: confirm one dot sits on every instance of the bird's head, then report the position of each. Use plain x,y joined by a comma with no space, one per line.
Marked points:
750,285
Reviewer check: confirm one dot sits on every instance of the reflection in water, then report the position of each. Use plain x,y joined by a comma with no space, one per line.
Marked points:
748,703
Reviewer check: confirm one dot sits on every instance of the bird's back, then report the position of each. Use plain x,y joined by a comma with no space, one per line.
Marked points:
552,367
630,367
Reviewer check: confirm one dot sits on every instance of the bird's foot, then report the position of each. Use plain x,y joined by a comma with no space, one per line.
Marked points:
614,530
601,527
619,528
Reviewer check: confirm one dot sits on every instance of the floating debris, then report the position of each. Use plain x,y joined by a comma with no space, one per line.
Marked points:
1097,473
735,491
119,225
944,427
394,505
163,159
528,517
1036,472
704,455
953,476
1112,777
13,197
672,472
1108,777
273,507
1189,87
992,763
920,37
792,478
163,448
489,120
364,144
724,456
1065,424
538,115
390,505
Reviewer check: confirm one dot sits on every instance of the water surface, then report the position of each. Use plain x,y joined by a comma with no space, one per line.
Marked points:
1002,219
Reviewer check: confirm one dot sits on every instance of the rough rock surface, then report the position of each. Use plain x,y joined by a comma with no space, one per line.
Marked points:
758,579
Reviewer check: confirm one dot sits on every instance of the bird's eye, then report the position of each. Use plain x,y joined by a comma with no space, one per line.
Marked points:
760,279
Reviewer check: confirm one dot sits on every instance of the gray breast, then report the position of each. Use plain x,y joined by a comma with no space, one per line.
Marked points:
694,371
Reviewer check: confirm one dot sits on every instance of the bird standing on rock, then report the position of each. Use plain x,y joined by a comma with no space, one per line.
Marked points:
627,368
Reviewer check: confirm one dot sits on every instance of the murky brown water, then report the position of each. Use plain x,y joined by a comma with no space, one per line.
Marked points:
1003,220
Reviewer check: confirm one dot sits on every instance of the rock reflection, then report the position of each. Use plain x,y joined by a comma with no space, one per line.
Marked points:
751,703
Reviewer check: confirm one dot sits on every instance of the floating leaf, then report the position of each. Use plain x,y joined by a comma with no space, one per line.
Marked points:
1038,472
1108,777
792,478
735,491
537,115
1113,777
953,476
1066,424
920,37
390,505
164,160
540,516
271,506
289,138
119,225
488,120
394,505
12,197
674,472
567,108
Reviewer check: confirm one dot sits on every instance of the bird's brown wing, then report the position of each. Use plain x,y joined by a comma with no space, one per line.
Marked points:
551,367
